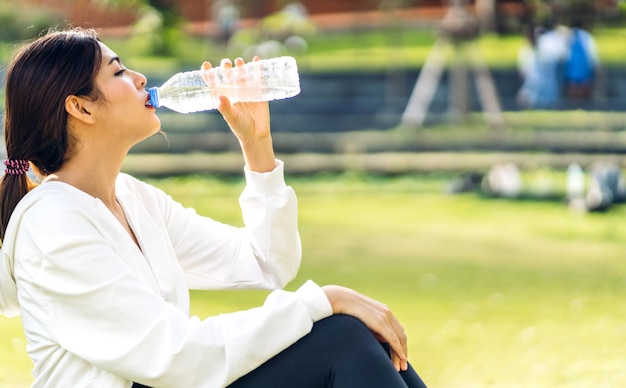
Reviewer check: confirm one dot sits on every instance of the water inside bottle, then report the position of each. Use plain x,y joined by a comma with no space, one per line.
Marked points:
258,81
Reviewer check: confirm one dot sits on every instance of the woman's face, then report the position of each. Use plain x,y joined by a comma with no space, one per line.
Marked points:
123,110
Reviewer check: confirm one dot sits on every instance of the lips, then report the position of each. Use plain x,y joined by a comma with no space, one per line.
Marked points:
148,104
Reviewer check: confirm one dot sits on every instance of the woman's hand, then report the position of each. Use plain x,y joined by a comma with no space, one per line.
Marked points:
249,121
376,316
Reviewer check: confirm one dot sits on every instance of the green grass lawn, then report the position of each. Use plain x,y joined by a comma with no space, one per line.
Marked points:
492,293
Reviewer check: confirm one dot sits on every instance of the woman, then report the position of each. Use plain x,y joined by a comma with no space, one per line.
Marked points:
99,264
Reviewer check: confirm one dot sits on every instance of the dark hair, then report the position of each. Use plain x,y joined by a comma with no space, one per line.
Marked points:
39,79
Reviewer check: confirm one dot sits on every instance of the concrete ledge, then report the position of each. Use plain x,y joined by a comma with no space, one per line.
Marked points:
380,163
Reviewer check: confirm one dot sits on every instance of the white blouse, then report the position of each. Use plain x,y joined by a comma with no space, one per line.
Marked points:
98,311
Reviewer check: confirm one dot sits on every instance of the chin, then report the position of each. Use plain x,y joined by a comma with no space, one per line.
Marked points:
148,135
157,125
153,132
149,130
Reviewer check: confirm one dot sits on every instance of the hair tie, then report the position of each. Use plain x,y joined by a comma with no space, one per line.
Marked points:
16,166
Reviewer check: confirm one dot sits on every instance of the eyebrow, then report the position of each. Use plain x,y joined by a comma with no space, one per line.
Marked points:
114,59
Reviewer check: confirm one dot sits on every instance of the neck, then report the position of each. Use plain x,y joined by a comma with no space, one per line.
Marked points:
94,175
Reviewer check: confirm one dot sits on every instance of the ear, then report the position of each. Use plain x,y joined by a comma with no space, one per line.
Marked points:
80,109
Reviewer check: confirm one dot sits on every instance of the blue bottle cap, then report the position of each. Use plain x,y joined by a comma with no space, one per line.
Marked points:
154,97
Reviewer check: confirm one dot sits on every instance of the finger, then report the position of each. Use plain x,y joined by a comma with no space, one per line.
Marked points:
226,73
206,66
395,343
402,341
397,328
401,335
390,334
399,363
240,75
225,107
395,360
226,63
396,337
254,77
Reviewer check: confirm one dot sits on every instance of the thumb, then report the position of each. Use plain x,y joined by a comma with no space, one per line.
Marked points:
224,106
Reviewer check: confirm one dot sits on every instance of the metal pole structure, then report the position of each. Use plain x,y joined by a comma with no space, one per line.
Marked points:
425,87
458,30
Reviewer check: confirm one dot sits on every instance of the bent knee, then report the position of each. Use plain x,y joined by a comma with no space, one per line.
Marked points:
345,329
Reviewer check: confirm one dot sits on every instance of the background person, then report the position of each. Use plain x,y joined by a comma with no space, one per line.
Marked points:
581,65
528,68
551,52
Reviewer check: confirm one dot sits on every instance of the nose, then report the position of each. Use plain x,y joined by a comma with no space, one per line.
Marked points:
140,80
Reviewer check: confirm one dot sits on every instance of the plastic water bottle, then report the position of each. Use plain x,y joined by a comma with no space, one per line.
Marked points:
264,80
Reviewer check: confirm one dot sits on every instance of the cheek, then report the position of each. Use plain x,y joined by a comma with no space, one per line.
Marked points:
121,93
119,89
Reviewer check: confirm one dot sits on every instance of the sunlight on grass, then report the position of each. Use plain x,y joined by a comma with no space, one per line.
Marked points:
15,365
493,293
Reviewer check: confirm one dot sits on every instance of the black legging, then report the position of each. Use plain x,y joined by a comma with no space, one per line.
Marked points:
339,352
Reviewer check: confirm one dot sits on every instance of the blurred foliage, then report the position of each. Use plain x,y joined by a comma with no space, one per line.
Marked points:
286,31
372,50
387,5
289,21
19,22
569,12
158,25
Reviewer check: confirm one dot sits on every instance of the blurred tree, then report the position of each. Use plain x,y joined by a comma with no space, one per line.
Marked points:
565,12
291,20
539,12
158,22
390,5
581,12
19,22
283,31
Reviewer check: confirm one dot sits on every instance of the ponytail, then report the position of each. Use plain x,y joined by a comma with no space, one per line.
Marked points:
12,188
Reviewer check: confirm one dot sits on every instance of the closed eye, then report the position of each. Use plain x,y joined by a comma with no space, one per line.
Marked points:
119,73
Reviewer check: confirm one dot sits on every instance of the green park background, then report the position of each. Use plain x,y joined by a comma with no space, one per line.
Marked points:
492,291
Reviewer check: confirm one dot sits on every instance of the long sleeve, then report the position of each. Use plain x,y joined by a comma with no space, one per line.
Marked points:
265,253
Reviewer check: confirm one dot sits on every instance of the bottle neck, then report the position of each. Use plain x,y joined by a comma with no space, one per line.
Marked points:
154,97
